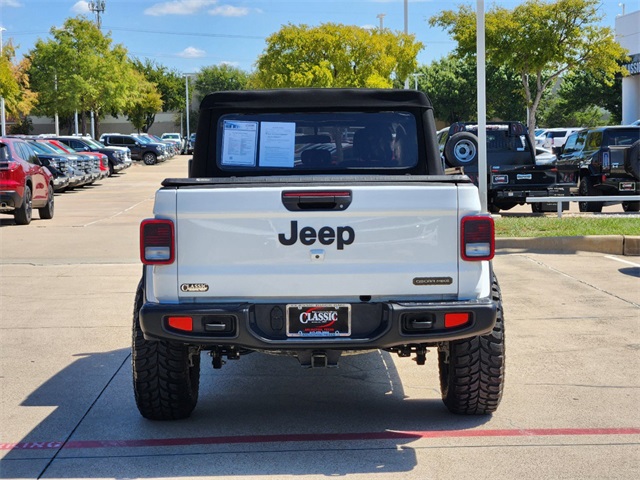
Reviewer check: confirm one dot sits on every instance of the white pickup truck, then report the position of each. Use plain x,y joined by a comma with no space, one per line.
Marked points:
317,222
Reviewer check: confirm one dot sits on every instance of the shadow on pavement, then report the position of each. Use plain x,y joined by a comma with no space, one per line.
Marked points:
260,415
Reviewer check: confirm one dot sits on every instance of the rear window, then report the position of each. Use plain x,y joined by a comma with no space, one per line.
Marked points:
332,141
621,136
557,134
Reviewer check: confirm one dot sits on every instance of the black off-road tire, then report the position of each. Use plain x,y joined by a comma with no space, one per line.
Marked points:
586,189
472,371
631,206
166,379
461,150
46,212
23,214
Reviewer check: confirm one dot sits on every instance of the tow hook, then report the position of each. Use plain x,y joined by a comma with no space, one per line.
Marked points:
421,354
217,353
406,351
319,358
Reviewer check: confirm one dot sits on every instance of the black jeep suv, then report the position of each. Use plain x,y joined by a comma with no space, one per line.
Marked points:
603,161
511,164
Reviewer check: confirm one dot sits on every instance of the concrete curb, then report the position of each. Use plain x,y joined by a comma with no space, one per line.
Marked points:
611,244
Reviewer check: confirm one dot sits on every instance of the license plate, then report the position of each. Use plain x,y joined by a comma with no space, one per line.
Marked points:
627,186
318,320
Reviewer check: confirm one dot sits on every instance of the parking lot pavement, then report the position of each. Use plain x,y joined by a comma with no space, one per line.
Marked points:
570,407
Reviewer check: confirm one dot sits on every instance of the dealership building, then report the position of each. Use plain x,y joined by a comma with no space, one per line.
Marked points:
628,35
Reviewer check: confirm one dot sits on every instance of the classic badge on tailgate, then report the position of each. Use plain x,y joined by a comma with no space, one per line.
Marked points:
194,287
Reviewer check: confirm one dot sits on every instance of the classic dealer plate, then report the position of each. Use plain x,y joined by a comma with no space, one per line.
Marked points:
318,320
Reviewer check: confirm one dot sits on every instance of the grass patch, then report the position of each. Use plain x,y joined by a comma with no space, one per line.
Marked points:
565,227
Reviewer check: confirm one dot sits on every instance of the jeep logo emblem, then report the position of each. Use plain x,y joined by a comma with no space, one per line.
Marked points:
326,236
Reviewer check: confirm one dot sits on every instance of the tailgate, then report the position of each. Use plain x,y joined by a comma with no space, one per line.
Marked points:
523,177
391,241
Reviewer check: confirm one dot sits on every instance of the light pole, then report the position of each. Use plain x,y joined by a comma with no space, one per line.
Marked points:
186,89
56,120
97,7
406,32
381,17
4,122
415,79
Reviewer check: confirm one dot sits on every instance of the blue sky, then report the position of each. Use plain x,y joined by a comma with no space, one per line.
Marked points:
187,35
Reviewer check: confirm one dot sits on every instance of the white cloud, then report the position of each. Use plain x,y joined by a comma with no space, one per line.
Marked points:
369,27
10,3
192,52
178,7
229,11
230,64
80,7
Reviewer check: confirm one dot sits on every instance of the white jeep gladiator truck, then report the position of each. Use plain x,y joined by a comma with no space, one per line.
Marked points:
315,223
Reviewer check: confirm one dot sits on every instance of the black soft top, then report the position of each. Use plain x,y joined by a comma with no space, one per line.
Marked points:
311,100
304,99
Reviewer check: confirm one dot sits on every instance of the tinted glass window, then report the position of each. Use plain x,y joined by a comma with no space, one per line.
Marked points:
594,140
581,140
22,153
621,136
570,145
561,133
317,141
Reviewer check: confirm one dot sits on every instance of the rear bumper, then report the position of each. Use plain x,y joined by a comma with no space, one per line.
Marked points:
262,326
620,186
9,200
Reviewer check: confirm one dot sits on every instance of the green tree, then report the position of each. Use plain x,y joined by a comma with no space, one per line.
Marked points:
143,104
334,55
541,41
168,88
14,85
451,86
87,73
216,78
9,86
584,100
451,83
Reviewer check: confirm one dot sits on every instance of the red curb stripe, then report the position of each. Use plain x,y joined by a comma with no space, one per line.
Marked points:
322,437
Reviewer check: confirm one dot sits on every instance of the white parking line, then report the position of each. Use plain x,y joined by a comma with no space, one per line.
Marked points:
621,260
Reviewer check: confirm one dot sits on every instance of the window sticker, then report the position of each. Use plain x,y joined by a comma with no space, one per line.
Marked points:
277,144
239,143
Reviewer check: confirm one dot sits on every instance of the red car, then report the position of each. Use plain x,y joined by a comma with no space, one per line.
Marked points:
104,160
24,183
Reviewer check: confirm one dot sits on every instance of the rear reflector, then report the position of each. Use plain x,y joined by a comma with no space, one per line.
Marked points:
477,238
181,323
452,320
157,242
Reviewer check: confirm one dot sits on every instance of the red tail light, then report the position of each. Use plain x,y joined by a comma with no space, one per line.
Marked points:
181,323
477,238
157,242
452,320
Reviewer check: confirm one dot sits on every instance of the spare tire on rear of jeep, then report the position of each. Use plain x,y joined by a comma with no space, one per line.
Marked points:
632,160
461,149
